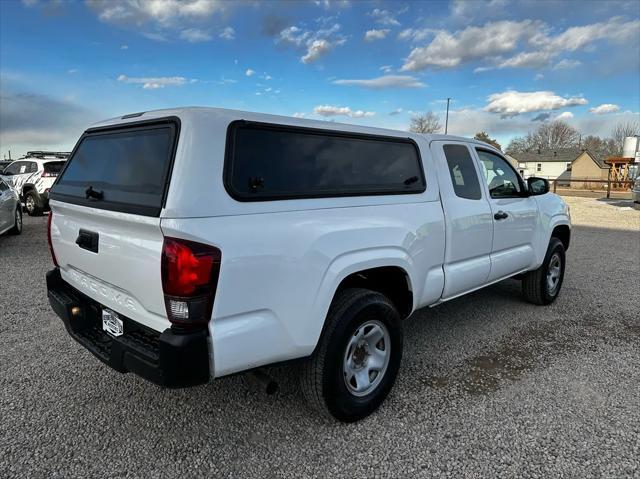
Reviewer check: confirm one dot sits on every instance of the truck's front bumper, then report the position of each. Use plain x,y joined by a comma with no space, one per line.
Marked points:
169,359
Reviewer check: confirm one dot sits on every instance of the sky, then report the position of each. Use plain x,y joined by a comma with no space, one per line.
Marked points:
507,65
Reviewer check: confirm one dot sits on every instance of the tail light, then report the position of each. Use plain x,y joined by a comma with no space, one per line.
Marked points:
190,273
53,254
47,174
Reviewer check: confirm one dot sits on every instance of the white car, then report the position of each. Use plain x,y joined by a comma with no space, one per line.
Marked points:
10,210
194,243
32,178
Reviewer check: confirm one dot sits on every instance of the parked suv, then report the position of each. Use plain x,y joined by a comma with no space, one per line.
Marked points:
194,243
32,177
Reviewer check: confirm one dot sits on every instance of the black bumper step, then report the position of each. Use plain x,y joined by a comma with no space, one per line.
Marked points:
169,359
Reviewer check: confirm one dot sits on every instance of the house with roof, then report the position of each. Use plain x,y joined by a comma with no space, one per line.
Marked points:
588,166
550,164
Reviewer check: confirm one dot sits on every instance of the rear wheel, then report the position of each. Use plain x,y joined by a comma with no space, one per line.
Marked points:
32,204
357,359
543,285
17,226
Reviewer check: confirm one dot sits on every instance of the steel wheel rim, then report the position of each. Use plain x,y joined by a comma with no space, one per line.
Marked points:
30,203
553,273
366,358
18,220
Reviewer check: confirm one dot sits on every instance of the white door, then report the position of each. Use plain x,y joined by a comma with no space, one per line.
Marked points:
514,216
468,218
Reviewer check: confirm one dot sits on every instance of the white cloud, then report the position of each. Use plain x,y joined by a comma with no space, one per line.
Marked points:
249,72
195,35
565,115
468,121
124,47
387,81
602,125
386,68
527,60
511,102
314,43
615,29
415,35
539,76
525,44
397,111
156,37
299,115
384,17
72,71
448,50
228,33
153,82
330,4
329,110
472,8
565,63
604,108
315,50
161,12
372,35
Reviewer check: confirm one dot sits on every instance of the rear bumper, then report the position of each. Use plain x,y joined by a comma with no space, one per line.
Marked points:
168,359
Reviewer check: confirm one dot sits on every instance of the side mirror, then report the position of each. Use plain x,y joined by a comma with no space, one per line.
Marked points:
537,186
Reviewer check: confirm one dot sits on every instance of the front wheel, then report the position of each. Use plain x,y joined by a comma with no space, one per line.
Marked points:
17,225
32,204
543,285
358,357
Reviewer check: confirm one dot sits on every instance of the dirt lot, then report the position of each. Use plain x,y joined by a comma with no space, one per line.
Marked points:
489,386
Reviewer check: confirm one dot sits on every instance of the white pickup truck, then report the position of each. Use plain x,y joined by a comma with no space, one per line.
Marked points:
194,243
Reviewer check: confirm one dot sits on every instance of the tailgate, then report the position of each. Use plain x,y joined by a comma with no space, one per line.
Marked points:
105,228
123,271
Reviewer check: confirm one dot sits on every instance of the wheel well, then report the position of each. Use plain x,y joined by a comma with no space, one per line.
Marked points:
563,233
391,281
26,189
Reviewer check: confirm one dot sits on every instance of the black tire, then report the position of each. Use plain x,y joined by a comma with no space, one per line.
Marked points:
323,376
17,227
535,284
33,205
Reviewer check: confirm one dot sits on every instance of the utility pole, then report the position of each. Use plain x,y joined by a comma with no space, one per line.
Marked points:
446,121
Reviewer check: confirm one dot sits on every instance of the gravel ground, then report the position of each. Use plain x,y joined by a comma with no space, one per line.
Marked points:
490,387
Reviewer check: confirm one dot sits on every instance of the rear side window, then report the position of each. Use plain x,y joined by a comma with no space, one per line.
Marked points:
53,167
276,162
463,173
125,170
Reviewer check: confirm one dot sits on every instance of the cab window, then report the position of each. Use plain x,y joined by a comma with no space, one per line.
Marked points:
463,174
502,180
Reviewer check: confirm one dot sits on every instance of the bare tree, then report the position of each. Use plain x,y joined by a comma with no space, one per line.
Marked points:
483,136
602,147
556,134
548,136
517,145
621,131
425,123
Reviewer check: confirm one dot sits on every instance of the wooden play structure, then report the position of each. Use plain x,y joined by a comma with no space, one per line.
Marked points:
619,172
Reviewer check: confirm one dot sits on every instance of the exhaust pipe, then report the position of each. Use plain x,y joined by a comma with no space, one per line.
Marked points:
267,382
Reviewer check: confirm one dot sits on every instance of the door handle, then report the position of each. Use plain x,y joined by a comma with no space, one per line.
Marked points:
501,215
